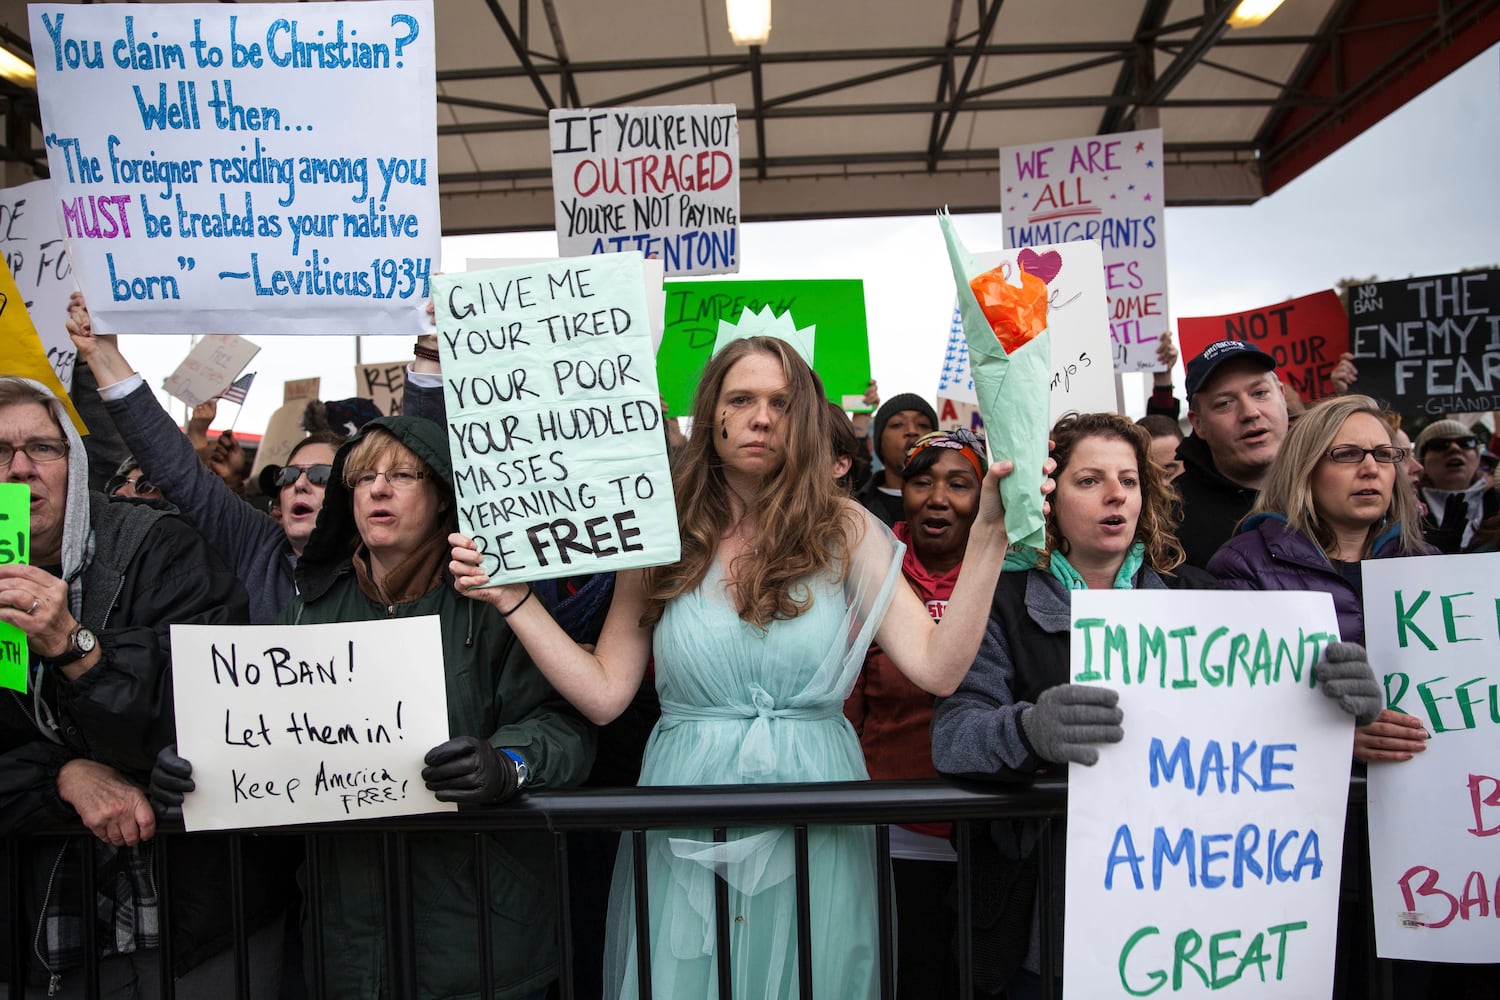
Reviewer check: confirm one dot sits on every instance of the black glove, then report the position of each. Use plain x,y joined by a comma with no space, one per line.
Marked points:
1068,719
1344,674
467,769
171,779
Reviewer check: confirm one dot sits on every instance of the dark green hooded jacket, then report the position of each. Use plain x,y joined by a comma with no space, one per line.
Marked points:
494,691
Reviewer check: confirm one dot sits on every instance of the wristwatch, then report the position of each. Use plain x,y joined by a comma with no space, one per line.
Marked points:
523,773
81,642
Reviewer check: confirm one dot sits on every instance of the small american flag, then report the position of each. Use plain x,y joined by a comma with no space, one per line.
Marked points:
238,390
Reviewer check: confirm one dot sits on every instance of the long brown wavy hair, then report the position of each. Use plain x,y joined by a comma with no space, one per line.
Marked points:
1154,528
803,526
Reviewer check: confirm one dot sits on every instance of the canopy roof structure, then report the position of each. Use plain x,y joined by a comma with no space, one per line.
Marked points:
886,107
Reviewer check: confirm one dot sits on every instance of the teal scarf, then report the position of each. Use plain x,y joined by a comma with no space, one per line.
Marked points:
1124,579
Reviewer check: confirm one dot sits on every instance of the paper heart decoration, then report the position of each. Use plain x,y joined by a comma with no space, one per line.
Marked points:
1043,265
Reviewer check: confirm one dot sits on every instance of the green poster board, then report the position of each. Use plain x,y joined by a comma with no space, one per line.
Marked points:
694,308
15,547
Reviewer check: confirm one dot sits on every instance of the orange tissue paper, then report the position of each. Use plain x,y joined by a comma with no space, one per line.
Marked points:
1017,315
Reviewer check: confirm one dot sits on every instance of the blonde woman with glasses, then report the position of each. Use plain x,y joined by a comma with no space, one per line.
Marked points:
1335,496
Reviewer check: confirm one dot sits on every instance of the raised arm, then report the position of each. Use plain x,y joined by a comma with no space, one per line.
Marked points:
599,684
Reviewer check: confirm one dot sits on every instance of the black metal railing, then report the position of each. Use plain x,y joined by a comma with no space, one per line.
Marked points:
633,812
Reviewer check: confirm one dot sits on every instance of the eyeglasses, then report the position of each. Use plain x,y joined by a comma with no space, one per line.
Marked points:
317,475
39,450
1468,443
142,486
1353,454
400,478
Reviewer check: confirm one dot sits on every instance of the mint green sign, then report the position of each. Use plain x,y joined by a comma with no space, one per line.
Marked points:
836,307
15,547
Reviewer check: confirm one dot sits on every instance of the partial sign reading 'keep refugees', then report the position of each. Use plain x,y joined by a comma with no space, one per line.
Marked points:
244,168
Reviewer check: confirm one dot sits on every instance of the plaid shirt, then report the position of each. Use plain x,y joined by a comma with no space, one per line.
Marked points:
126,911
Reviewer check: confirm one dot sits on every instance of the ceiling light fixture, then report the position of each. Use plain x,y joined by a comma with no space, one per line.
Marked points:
749,21
1252,13
15,69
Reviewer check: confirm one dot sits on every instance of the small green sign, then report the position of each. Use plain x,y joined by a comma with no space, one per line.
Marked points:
15,547
694,308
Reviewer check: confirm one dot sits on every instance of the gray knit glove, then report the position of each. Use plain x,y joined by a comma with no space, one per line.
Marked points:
1066,720
1345,676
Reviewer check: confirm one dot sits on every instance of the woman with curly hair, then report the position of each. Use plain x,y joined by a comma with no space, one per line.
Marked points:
1015,714
757,631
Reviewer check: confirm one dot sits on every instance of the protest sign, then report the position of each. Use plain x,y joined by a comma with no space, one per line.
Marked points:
554,421
1106,188
382,384
1305,335
1078,318
15,547
1205,848
655,292
1429,345
836,307
294,389
308,723
263,168
212,364
1433,633
21,350
32,242
663,181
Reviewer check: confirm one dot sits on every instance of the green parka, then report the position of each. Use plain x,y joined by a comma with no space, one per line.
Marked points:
494,691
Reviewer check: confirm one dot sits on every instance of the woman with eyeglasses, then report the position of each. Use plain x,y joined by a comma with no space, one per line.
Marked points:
1335,496
381,550
260,551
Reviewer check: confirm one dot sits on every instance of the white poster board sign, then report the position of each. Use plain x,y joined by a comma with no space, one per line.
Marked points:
1107,188
664,181
554,418
255,168
308,723
1204,849
33,248
1077,315
213,363
1432,625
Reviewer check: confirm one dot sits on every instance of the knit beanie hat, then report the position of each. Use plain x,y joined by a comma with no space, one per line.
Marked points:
1441,429
897,403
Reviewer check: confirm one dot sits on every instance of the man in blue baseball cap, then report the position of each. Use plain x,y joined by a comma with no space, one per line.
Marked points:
1239,419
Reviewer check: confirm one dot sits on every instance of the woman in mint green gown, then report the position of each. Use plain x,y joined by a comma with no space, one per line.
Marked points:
758,632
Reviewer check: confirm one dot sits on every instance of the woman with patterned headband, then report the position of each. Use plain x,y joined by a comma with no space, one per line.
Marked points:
893,717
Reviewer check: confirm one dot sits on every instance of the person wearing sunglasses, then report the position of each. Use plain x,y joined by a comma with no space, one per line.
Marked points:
258,548
1459,501
131,483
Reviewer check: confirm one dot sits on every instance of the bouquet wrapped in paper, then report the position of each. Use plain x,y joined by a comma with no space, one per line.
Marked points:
1010,355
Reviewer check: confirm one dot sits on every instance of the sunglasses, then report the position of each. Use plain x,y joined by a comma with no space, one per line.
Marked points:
1468,443
317,475
143,487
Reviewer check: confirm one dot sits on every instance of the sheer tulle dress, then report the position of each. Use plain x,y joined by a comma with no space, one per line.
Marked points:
744,705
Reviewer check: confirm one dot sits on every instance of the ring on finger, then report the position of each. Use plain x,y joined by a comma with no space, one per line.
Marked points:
36,602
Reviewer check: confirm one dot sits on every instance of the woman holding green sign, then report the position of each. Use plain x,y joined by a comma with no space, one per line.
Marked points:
758,633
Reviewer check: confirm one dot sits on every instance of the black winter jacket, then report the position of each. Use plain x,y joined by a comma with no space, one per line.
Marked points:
1212,506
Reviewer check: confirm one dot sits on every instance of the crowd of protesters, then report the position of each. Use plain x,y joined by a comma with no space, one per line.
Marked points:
797,639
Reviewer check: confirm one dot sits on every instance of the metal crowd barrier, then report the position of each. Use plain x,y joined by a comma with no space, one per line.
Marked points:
634,811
